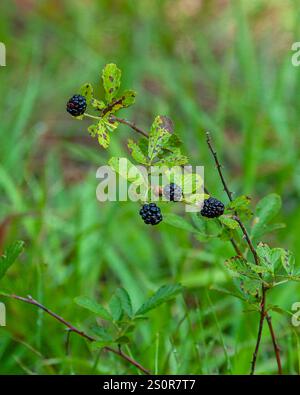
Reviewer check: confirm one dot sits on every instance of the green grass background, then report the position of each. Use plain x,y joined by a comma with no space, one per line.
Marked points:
219,65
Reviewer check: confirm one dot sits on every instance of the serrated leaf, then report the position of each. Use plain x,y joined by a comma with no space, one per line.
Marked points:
164,294
251,287
97,104
137,153
115,307
265,211
240,205
158,137
174,159
178,222
239,266
9,256
101,132
94,307
111,76
126,169
125,301
228,222
87,91
268,256
288,261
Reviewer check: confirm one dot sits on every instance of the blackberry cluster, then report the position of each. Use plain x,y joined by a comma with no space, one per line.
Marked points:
76,105
151,214
172,192
212,208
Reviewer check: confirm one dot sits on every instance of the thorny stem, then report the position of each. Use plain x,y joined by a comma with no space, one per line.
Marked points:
132,125
72,328
263,313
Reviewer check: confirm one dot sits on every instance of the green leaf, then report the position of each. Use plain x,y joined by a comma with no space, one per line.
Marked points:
122,340
173,159
268,256
9,256
111,77
240,205
99,344
128,98
251,287
239,266
227,292
125,301
228,222
102,333
87,91
137,153
97,104
266,210
115,307
100,131
288,261
126,169
93,306
158,137
178,222
164,294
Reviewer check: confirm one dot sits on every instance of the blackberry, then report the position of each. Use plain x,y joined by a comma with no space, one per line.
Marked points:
212,208
76,105
151,214
172,192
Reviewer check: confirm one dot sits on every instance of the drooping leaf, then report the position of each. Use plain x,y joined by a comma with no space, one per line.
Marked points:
9,256
111,76
137,153
94,307
266,210
164,294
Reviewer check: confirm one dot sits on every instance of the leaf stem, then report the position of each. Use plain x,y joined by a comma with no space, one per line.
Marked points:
72,328
263,313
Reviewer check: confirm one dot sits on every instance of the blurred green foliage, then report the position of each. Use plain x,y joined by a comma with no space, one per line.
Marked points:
219,65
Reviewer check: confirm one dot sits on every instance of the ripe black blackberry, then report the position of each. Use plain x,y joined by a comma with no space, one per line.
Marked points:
212,208
76,105
151,214
172,192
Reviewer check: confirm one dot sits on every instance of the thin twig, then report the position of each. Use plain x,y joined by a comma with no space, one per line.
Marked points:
260,329
72,328
132,125
263,313
275,344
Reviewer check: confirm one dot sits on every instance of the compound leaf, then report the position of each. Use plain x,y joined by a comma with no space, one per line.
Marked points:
164,294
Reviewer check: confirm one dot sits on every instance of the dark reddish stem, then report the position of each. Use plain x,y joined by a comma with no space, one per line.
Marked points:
72,328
